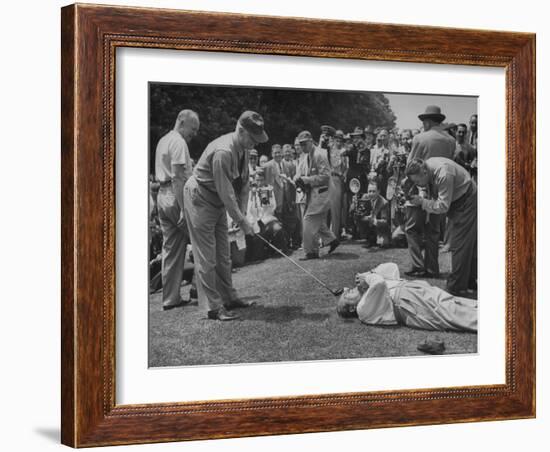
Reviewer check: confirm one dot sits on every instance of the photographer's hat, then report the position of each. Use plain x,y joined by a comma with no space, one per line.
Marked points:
328,130
304,136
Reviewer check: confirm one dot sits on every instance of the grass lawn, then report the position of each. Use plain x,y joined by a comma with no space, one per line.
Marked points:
294,318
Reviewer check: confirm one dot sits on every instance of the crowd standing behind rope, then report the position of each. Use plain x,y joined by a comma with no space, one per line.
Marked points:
311,194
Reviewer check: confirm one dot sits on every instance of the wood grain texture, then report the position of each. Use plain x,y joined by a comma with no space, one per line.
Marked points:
90,36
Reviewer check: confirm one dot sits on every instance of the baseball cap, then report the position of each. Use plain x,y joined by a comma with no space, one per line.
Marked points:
253,123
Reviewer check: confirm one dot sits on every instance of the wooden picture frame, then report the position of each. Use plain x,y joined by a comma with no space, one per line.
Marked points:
90,36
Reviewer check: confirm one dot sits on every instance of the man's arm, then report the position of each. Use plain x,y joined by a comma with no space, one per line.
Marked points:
221,169
180,159
243,195
445,185
178,182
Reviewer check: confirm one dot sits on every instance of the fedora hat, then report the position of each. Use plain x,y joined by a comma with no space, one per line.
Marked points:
328,130
304,136
432,112
357,132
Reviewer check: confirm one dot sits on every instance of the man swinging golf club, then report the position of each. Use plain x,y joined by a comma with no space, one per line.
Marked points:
220,185
313,178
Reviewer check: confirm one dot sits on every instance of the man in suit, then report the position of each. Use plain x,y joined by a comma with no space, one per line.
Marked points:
300,195
422,229
273,171
313,178
326,138
338,167
289,215
379,159
375,224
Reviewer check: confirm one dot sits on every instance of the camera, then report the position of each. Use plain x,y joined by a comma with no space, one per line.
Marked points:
265,195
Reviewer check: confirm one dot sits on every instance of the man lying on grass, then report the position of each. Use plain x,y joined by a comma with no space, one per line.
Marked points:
382,298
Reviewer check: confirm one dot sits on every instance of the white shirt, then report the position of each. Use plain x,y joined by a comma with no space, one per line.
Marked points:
171,150
376,305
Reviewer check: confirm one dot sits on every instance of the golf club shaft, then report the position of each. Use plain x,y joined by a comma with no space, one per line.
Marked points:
296,264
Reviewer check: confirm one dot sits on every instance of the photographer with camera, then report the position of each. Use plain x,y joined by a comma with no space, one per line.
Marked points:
261,214
373,217
379,160
423,229
453,192
326,139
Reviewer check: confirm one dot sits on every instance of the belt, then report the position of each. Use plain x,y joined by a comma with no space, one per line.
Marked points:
165,183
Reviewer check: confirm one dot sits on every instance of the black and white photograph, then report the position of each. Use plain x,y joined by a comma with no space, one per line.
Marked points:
295,225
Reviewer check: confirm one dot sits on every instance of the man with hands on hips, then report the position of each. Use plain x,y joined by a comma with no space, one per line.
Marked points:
173,167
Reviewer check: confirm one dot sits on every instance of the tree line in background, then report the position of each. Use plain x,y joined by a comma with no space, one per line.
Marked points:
286,112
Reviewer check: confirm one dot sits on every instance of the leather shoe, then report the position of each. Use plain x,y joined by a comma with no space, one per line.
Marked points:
309,256
415,272
182,303
221,314
237,303
333,245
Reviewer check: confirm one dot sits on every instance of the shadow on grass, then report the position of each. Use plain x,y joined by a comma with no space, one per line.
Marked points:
280,314
336,256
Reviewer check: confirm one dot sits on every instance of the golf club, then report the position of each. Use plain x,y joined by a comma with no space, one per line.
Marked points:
336,292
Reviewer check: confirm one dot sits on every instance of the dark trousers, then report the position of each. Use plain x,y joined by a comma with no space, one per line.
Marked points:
374,234
463,242
291,225
423,239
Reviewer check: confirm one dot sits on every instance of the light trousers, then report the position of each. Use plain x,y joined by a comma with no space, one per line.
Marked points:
207,222
174,244
315,227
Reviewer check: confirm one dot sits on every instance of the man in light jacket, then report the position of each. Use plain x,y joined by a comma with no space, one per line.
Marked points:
313,178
